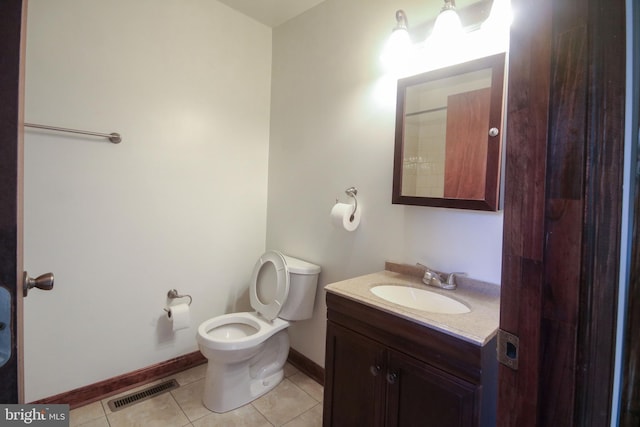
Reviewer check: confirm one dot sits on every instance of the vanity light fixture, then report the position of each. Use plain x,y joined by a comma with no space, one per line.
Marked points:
397,51
448,25
445,44
500,15
495,29
449,43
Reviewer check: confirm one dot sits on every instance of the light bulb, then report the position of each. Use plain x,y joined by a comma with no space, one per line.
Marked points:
397,51
397,54
447,25
445,44
494,31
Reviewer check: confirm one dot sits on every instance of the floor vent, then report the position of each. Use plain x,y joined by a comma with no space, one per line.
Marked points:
139,396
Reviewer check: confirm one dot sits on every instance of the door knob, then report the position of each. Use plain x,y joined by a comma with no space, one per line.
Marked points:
44,282
392,377
375,370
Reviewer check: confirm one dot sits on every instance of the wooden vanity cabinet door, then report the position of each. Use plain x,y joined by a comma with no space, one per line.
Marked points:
355,379
423,396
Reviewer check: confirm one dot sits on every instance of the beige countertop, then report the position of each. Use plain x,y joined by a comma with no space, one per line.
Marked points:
477,326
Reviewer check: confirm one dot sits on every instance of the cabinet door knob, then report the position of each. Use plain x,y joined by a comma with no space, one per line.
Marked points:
392,377
375,370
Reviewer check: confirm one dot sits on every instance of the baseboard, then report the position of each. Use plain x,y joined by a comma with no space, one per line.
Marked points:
100,390
109,387
306,366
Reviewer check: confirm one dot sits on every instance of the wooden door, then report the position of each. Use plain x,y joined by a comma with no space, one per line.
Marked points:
564,151
12,21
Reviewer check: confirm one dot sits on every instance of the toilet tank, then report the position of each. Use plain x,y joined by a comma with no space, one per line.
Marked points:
303,281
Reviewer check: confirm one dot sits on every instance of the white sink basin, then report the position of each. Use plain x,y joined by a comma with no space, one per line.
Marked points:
419,299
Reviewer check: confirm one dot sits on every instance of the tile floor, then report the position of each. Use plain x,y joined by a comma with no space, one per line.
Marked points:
295,402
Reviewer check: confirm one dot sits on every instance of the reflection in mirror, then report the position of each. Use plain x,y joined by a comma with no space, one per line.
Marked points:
444,153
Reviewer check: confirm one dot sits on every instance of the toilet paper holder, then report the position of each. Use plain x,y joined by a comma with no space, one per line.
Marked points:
173,294
352,192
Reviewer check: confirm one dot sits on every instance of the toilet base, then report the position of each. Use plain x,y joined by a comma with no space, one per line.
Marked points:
217,400
231,385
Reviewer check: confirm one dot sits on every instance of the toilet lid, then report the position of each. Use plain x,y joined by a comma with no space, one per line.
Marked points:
269,285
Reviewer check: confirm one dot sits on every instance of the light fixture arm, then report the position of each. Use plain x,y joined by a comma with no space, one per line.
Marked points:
402,23
448,5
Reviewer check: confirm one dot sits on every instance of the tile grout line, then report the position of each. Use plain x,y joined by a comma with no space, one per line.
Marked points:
105,412
311,397
307,393
261,414
180,406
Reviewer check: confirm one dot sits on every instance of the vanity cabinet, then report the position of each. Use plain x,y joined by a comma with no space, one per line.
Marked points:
383,370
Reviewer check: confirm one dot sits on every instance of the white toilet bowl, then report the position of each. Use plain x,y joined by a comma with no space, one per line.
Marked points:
241,368
246,352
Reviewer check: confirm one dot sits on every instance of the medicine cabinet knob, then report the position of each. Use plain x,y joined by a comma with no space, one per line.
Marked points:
493,132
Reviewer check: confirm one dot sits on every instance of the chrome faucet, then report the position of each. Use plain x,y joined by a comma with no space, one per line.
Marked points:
433,278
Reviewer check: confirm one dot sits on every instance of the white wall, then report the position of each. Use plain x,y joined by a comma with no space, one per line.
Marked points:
332,127
180,203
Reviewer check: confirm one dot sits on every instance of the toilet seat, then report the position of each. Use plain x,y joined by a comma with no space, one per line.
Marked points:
269,309
263,330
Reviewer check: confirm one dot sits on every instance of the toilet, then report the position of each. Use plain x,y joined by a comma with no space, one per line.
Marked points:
246,351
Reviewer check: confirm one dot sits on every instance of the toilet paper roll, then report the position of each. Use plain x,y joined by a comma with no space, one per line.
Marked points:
180,316
342,216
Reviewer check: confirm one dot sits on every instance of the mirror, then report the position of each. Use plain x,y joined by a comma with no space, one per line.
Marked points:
448,136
